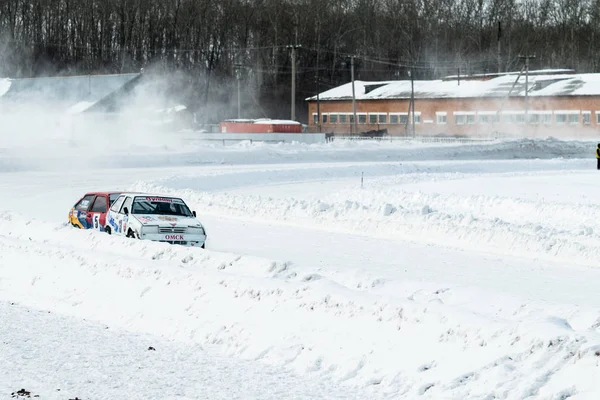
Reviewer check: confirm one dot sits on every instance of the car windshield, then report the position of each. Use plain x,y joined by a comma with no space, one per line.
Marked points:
112,197
160,206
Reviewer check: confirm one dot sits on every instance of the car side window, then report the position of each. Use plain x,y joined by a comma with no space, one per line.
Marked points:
84,203
117,204
99,205
127,204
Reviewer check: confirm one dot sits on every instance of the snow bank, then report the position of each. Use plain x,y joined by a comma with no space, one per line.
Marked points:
80,107
53,357
521,212
67,146
4,86
275,313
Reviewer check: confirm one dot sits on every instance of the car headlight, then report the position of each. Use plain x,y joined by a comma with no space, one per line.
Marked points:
195,230
149,229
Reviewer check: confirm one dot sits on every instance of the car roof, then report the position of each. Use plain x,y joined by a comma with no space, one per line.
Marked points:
102,193
140,194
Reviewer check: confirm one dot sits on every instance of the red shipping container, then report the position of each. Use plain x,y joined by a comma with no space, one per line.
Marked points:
263,127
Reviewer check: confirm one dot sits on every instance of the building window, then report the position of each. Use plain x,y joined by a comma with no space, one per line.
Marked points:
561,118
315,118
333,119
372,118
546,119
508,118
382,119
324,118
399,118
464,117
417,118
513,117
441,118
520,118
343,118
351,118
488,117
362,118
573,119
587,117
597,117
534,119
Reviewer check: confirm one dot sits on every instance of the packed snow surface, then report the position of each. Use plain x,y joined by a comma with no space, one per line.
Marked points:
370,270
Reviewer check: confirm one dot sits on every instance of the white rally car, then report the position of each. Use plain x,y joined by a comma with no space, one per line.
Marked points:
158,218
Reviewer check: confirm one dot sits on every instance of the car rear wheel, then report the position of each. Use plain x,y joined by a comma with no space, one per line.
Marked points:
107,229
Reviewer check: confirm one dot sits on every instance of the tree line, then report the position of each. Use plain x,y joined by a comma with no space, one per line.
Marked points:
208,45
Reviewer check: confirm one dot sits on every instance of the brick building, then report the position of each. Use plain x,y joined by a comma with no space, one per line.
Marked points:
559,103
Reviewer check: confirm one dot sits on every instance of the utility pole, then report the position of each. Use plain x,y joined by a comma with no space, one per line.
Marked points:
238,75
353,94
293,110
318,86
498,48
526,58
412,99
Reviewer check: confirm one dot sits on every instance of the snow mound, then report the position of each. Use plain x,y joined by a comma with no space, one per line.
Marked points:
4,86
64,146
422,207
272,312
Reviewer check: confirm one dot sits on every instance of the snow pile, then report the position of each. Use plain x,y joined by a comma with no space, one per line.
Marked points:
66,144
457,209
4,86
80,107
62,358
272,312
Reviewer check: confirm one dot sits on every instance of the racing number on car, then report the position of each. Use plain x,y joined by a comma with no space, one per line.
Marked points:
97,221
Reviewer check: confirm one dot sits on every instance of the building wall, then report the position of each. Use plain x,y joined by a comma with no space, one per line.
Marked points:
566,116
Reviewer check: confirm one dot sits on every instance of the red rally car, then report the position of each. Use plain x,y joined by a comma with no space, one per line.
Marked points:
90,211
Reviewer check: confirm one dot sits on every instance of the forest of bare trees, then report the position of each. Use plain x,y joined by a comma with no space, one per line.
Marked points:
209,44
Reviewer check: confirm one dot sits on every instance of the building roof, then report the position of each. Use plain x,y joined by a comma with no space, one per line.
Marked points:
551,84
489,75
71,93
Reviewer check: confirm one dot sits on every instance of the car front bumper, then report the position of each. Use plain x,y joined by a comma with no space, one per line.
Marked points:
181,239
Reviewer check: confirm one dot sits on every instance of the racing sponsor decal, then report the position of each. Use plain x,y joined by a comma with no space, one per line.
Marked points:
145,219
164,200
84,203
174,237
160,199
167,218
113,223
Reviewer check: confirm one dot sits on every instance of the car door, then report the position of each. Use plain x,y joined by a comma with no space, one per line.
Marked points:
112,219
80,213
124,218
97,212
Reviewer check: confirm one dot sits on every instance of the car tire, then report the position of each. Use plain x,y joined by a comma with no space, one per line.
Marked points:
132,234
107,229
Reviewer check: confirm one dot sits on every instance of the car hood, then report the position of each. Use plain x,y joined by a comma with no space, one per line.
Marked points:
166,220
